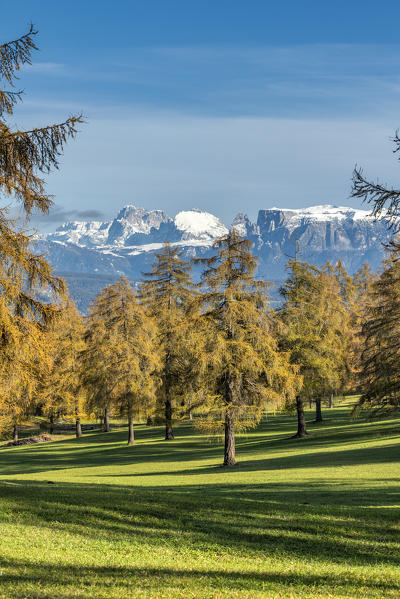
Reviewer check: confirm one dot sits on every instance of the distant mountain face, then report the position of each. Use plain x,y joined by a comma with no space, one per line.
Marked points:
126,245
136,227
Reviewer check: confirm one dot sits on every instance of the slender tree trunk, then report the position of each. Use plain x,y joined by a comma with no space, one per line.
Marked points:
131,434
301,421
78,427
149,421
229,450
51,427
15,434
318,411
169,433
106,424
190,409
311,403
331,401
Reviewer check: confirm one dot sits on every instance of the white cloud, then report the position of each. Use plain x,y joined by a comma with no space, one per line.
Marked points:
45,67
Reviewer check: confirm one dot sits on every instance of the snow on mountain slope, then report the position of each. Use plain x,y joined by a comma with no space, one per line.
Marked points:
85,234
323,213
135,226
131,221
126,245
195,224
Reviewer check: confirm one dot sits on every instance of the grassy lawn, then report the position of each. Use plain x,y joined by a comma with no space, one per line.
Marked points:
295,519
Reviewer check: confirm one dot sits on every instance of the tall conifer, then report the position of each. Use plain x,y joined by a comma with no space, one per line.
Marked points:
20,378
121,359
65,393
245,371
25,156
380,359
167,293
315,318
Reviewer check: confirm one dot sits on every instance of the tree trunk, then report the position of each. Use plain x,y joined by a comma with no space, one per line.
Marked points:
15,434
331,401
311,403
51,427
131,434
106,425
78,427
318,411
301,421
229,451
190,415
169,433
149,421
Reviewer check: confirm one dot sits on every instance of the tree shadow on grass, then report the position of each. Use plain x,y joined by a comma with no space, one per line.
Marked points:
110,449
310,459
80,580
354,526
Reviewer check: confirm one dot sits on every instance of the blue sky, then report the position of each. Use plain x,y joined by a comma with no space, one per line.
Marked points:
226,106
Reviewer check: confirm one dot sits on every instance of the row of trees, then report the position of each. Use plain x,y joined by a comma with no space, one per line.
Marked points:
215,351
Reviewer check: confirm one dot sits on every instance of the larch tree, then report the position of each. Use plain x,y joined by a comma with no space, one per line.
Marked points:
97,359
362,285
380,359
246,372
25,156
167,294
315,321
21,375
121,361
342,301
64,391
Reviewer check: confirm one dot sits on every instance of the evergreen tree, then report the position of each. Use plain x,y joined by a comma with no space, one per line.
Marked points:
380,359
97,364
24,157
245,370
167,293
62,392
342,301
120,361
315,321
362,282
20,377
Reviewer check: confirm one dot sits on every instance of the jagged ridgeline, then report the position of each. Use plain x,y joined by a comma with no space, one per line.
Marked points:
90,255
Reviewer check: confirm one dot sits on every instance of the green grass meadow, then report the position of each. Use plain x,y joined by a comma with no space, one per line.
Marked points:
94,518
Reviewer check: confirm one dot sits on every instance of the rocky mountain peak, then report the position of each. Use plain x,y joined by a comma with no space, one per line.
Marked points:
126,245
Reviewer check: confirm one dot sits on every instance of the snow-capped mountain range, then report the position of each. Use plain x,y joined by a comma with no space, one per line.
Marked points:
136,227
92,254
